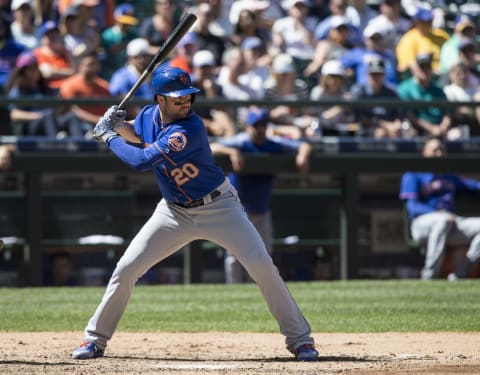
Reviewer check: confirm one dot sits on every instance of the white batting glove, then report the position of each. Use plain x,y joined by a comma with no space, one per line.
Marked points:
104,129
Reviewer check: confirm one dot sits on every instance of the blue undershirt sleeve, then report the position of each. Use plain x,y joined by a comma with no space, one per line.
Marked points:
141,159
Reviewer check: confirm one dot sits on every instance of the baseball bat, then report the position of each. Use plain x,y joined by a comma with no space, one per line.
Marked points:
180,30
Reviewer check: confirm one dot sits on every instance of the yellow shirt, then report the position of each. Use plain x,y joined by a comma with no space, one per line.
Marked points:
414,42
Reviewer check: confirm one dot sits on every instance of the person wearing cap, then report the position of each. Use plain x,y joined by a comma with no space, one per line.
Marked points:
421,38
375,47
428,121
286,120
116,38
86,83
123,79
184,51
331,86
332,47
52,55
206,40
465,28
293,34
218,122
378,121
255,191
27,81
94,13
22,28
73,33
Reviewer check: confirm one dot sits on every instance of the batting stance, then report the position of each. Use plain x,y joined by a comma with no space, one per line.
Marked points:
198,203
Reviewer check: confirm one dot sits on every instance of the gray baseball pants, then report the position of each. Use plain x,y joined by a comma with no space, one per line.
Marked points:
437,231
170,227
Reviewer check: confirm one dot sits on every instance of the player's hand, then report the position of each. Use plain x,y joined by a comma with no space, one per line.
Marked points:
115,116
103,130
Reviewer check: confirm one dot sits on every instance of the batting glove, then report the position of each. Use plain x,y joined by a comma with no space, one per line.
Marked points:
104,129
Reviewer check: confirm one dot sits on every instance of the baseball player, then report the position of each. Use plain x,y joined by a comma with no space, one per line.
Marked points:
255,191
198,203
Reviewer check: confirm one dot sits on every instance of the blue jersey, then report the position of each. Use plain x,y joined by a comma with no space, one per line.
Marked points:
255,191
178,154
429,192
123,80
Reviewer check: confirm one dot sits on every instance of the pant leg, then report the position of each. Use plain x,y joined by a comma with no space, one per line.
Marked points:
234,271
226,223
434,229
467,233
163,234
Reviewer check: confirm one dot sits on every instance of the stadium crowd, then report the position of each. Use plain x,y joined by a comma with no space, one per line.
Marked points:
323,51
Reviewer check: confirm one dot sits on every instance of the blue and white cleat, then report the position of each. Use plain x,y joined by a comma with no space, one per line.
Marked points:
87,350
306,353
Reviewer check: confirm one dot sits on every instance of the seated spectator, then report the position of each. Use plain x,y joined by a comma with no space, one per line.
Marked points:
391,18
22,28
138,52
460,89
293,34
9,51
467,55
465,28
86,84
5,156
375,47
45,10
430,202
255,191
184,51
360,13
27,81
60,271
157,28
334,46
72,31
206,40
116,38
287,120
428,121
218,122
95,14
52,56
421,38
335,119
377,120
249,22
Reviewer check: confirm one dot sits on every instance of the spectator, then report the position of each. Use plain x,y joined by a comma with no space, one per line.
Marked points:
60,270
430,202
335,45
27,81
86,84
205,39
466,55
22,27
359,13
73,33
9,51
335,119
421,38
285,85
96,14
249,22
138,52
293,34
184,51
429,121
465,28
255,191
6,156
157,28
45,10
377,120
462,89
218,122
391,18
375,47
52,56
116,38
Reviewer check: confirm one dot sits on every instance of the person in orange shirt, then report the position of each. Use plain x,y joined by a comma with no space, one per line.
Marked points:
52,56
86,84
184,52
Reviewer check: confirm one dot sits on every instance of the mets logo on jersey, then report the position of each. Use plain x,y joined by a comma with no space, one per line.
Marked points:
177,141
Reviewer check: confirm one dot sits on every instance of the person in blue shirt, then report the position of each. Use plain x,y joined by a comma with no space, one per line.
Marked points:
198,202
430,203
255,191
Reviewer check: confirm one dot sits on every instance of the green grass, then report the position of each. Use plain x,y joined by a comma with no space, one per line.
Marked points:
354,306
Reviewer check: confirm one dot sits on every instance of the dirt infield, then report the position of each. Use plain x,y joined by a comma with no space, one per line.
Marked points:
243,353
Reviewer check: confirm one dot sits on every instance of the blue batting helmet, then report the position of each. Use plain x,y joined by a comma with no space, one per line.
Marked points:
172,82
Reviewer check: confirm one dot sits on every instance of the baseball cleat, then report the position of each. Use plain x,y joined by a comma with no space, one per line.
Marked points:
87,350
306,352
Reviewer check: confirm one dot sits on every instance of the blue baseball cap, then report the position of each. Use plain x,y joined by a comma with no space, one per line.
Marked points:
256,115
423,14
46,27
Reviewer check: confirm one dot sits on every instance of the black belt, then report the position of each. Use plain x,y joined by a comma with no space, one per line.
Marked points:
199,202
